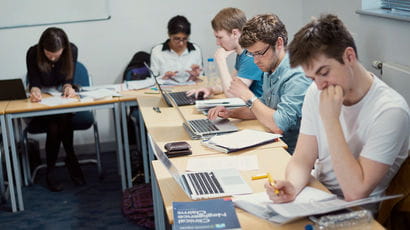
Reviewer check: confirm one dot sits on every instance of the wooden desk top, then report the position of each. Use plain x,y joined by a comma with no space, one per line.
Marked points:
24,105
167,126
3,106
269,160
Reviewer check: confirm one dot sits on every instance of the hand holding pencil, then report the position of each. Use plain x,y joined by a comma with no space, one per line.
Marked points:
280,191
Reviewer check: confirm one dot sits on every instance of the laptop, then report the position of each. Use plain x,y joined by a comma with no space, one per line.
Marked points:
180,97
12,89
203,128
204,185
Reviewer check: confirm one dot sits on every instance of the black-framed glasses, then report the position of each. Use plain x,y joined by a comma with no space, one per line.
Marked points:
257,53
178,39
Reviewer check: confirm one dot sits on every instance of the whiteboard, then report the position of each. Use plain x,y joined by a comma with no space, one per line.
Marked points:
23,13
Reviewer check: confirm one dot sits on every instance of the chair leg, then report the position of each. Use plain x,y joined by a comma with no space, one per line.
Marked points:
97,149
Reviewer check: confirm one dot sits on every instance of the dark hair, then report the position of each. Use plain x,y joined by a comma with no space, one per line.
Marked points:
179,24
326,35
229,19
266,28
54,39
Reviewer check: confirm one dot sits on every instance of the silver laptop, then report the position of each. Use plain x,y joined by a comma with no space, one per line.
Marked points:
180,97
203,128
204,185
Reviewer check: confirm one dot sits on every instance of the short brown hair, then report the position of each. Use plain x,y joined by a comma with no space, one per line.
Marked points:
229,19
266,28
326,35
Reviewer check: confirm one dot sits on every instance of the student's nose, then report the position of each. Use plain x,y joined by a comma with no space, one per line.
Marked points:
321,84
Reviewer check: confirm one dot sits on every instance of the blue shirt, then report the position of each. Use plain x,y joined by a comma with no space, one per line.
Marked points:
246,68
284,91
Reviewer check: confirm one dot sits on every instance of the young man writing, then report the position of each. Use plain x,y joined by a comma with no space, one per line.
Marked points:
279,107
354,129
227,26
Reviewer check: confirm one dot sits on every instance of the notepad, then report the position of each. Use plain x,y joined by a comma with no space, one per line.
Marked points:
211,103
243,139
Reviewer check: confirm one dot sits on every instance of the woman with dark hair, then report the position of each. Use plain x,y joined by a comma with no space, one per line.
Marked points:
51,63
177,59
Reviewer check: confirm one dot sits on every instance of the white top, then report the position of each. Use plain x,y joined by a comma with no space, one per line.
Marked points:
164,59
377,128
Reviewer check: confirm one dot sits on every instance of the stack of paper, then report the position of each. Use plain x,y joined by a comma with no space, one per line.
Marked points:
97,94
139,84
243,139
205,105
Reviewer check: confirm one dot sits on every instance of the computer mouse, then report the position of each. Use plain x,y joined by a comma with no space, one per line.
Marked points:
200,96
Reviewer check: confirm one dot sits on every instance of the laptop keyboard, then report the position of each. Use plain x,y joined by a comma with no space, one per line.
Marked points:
203,125
182,99
205,183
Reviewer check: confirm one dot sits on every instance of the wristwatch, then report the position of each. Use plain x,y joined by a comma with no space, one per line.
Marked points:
249,103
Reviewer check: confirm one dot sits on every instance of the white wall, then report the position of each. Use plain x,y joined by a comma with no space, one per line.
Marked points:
107,46
376,38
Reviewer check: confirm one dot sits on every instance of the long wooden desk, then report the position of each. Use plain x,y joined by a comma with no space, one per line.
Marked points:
270,160
24,108
3,106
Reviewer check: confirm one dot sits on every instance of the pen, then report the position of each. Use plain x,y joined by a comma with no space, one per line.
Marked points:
156,109
151,92
273,182
266,175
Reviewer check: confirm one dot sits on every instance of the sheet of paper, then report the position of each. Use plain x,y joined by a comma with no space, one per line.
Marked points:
57,100
257,203
172,82
113,87
243,139
99,93
140,84
241,163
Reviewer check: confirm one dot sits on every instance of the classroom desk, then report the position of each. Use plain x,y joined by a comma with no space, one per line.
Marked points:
3,106
270,160
24,108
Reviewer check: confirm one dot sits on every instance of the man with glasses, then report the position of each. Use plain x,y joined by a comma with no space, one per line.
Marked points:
279,107
177,59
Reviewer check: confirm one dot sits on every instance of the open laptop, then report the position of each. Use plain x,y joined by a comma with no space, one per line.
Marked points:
203,128
180,97
204,185
12,89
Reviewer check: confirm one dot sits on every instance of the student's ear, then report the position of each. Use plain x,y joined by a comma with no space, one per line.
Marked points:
349,55
236,33
279,43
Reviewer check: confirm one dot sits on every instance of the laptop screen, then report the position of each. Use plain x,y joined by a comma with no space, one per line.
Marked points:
163,158
12,89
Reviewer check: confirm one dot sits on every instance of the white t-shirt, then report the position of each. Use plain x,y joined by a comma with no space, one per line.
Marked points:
164,59
376,128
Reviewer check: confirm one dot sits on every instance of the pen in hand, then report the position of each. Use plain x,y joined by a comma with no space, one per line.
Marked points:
271,181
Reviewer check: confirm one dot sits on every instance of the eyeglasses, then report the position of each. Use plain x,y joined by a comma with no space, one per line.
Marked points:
177,39
258,53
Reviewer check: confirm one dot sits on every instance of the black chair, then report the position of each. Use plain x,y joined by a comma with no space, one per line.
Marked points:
81,121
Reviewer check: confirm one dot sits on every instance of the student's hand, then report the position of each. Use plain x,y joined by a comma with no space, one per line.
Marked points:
68,91
222,54
239,89
287,191
169,75
194,73
218,111
206,91
331,100
35,94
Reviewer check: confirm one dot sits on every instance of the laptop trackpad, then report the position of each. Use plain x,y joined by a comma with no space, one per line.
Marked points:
224,124
232,182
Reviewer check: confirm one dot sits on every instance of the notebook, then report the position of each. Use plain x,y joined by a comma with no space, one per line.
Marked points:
12,89
203,128
180,97
206,184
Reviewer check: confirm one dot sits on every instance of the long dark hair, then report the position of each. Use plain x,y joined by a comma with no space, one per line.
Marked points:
54,39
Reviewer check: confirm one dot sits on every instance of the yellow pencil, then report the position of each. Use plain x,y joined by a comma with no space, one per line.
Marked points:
272,182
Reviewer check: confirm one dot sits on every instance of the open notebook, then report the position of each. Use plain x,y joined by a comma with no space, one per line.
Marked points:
243,139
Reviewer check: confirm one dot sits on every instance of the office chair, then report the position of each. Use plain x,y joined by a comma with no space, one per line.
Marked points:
81,121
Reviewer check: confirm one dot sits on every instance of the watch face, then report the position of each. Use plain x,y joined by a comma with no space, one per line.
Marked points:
248,103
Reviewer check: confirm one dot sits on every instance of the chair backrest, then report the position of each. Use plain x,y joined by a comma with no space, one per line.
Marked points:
400,184
81,76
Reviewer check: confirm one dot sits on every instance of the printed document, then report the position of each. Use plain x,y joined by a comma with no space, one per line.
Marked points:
241,163
57,100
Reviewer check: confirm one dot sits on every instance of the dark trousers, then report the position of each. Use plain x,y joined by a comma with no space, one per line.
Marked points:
59,129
